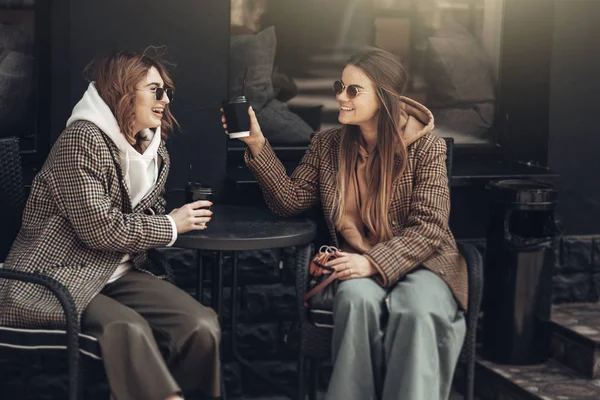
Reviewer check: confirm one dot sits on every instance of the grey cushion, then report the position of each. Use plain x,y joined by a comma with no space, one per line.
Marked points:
47,339
472,122
15,38
257,52
281,126
16,94
456,69
16,81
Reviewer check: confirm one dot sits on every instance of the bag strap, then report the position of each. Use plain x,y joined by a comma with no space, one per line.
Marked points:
319,287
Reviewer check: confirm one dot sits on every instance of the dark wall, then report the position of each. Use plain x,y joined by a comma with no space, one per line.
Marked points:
196,36
525,80
574,144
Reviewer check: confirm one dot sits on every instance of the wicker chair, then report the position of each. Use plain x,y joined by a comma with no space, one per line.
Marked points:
315,342
72,340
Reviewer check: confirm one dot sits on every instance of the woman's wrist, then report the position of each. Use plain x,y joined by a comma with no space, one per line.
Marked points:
373,271
256,146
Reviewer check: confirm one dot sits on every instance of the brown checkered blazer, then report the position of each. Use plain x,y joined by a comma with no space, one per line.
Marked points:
77,226
419,210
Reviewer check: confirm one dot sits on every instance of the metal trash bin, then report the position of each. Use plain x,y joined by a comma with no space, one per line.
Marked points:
520,257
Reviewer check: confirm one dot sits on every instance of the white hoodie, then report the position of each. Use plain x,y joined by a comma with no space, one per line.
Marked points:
139,170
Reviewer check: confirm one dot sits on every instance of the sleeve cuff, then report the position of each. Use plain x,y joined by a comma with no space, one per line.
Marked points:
380,277
172,221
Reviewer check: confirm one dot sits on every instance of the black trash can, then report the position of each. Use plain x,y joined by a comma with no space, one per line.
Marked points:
520,257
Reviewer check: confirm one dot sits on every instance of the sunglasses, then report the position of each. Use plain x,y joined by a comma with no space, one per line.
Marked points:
159,92
352,90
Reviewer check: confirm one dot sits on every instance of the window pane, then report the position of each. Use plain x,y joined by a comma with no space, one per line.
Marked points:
449,47
17,82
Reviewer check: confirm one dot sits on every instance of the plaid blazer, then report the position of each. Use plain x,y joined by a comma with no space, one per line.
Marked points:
418,213
77,226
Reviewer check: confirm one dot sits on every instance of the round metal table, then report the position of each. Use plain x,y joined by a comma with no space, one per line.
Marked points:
238,228
235,228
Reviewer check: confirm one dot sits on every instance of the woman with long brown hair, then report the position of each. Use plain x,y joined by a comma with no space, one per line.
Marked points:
382,183
95,208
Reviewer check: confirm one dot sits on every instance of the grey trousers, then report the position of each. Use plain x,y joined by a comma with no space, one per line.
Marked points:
137,317
400,343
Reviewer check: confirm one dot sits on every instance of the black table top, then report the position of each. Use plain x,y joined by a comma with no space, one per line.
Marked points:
248,228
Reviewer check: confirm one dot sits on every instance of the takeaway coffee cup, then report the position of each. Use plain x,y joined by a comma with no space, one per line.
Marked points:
196,191
238,120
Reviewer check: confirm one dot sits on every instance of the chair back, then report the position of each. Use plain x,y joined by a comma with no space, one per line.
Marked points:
12,198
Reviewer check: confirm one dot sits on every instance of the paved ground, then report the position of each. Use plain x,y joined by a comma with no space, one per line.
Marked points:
454,396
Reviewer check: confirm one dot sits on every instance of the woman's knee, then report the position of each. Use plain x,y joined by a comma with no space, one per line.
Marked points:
422,312
359,294
205,326
416,311
136,327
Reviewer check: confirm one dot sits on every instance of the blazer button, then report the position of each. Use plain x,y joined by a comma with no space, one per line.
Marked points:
394,223
442,273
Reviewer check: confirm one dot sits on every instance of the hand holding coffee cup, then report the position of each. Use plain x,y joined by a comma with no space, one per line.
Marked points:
192,216
237,116
255,139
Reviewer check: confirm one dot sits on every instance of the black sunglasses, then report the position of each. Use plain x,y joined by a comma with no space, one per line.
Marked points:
353,90
159,92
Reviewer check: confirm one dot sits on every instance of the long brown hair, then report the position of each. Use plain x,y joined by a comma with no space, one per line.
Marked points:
389,78
115,77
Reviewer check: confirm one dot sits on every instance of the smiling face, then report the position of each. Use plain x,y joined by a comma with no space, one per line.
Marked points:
363,110
149,111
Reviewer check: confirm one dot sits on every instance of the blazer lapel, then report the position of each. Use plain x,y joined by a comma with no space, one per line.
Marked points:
163,173
329,190
114,152
403,185
330,180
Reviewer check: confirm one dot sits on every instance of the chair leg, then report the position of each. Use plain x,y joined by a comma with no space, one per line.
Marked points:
26,362
81,379
314,379
223,392
469,378
301,377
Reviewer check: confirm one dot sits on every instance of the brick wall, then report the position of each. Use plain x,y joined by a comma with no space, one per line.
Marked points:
576,271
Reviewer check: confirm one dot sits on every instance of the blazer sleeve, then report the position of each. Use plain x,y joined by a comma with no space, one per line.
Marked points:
426,223
287,195
75,182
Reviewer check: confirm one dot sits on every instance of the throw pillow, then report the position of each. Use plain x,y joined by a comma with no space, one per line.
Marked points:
471,124
257,53
456,69
281,126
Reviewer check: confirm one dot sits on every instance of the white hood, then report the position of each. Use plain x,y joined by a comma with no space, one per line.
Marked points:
140,170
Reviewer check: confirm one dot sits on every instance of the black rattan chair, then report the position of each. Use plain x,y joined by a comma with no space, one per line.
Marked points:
315,342
12,203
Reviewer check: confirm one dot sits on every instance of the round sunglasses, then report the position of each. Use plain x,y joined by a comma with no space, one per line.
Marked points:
352,90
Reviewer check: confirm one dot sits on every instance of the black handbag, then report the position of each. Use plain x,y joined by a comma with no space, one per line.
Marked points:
322,286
